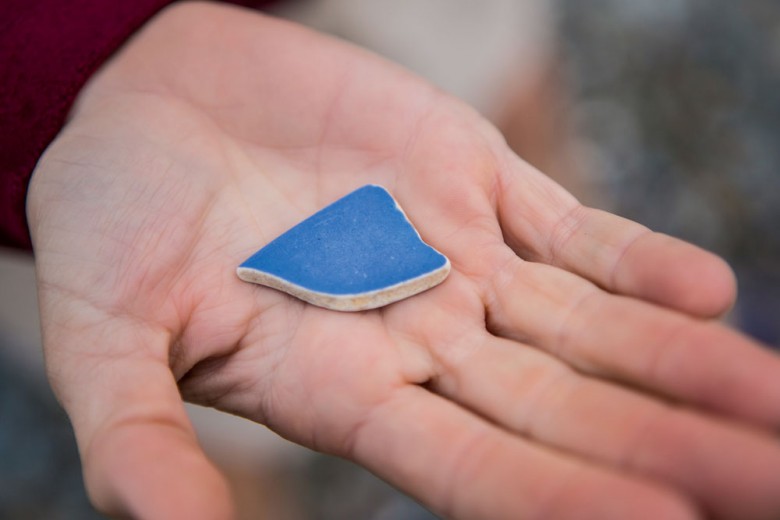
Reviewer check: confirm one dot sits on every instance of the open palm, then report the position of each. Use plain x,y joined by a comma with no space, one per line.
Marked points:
534,383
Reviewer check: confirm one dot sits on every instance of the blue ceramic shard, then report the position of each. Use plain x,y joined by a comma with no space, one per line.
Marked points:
361,252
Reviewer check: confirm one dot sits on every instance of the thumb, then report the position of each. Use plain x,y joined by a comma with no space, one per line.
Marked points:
140,455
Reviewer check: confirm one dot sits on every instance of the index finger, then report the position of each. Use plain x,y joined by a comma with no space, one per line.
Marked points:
542,222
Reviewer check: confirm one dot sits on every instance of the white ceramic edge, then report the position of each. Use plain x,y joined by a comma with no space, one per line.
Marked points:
353,301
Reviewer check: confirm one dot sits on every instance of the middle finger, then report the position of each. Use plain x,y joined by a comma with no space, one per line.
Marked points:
641,344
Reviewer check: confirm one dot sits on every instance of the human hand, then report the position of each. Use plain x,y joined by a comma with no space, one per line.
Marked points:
543,379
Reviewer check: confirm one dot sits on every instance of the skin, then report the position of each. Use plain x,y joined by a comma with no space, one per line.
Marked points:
567,368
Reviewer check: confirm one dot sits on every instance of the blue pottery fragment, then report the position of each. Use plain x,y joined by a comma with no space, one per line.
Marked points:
359,253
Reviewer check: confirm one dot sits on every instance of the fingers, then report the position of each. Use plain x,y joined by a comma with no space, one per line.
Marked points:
463,467
631,341
545,225
140,455
732,472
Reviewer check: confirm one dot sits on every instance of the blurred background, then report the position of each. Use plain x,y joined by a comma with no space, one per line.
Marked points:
667,113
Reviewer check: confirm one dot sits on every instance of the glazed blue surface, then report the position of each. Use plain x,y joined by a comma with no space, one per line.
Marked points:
360,243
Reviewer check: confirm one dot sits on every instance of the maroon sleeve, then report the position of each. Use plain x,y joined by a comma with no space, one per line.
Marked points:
48,49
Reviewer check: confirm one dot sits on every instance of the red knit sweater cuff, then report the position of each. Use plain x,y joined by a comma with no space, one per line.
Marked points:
48,50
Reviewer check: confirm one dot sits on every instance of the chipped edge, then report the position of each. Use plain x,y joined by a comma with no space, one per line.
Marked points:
350,302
